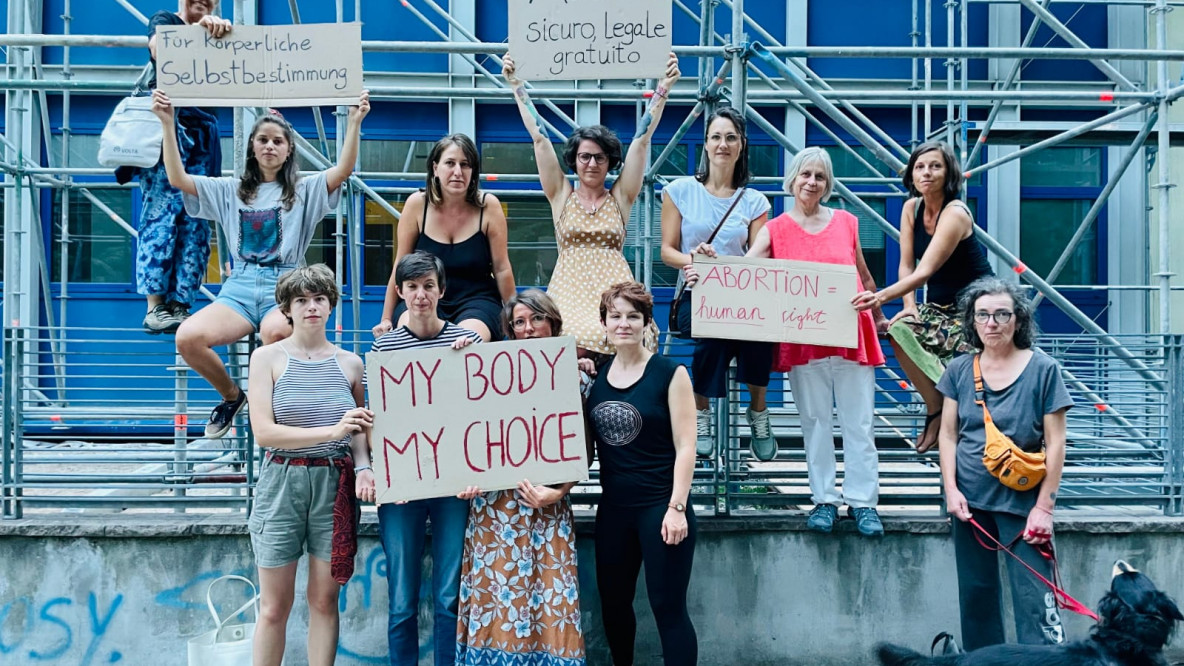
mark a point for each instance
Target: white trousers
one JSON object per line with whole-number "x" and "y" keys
{"x": 817, "y": 388}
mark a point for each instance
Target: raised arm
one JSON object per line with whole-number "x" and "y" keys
{"x": 498, "y": 233}
{"x": 169, "y": 150}
{"x": 338, "y": 173}
{"x": 554, "y": 183}
{"x": 628, "y": 185}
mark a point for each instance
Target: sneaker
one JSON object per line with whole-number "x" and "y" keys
{"x": 822, "y": 518}
{"x": 761, "y": 441}
{"x": 161, "y": 319}
{"x": 867, "y": 521}
{"x": 223, "y": 416}
{"x": 704, "y": 444}
{"x": 179, "y": 310}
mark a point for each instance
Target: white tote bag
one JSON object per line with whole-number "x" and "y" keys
{"x": 227, "y": 644}
{"x": 132, "y": 136}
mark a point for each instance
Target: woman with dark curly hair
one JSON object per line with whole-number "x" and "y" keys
{"x": 937, "y": 249}
{"x": 1022, "y": 392}
{"x": 466, "y": 228}
{"x": 590, "y": 219}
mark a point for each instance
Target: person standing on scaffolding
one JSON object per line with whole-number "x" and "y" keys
{"x": 268, "y": 216}
{"x": 173, "y": 247}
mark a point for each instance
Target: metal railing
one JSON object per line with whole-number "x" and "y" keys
{"x": 118, "y": 425}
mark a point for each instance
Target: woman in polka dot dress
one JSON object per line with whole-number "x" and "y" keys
{"x": 590, "y": 219}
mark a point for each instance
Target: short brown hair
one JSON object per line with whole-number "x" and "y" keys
{"x": 538, "y": 302}
{"x": 317, "y": 279}
{"x": 634, "y": 293}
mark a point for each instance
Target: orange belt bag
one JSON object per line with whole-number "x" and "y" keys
{"x": 1014, "y": 467}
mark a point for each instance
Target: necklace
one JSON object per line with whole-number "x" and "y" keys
{"x": 306, "y": 352}
{"x": 599, "y": 201}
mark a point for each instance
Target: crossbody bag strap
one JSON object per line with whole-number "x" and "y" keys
{"x": 980, "y": 396}
{"x": 739, "y": 196}
{"x": 141, "y": 82}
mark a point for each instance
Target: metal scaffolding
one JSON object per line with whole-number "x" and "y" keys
{"x": 746, "y": 68}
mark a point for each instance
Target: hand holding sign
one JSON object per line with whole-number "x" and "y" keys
{"x": 217, "y": 27}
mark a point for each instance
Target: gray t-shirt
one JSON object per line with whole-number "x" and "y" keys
{"x": 1018, "y": 411}
{"x": 263, "y": 232}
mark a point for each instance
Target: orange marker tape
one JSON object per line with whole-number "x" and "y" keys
{"x": 1101, "y": 407}
{"x": 1106, "y": 97}
{"x": 180, "y": 421}
{"x": 491, "y": 176}
{"x": 1019, "y": 268}
{"x": 56, "y": 417}
{"x": 904, "y": 385}
{"x": 647, "y": 94}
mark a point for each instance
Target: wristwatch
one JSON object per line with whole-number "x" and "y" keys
{"x": 677, "y": 506}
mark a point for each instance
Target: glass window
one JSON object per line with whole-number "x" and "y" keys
{"x": 99, "y": 249}
{"x": 84, "y": 150}
{"x": 3, "y": 201}
{"x": 847, "y": 165}
{"x": 379, "y": 249}
{"x": 764, "y": 160}
{"x": 1062, "y": 167}
{"x": 323, "y": 248}
{"x": 512, "y": 158}
{"x": 872, "y": 238}
{"x": 678, "y": 162}
{"x": 395, "y": 156}
{"x": 1046, "y": 225}
{"x": 533, "y": 251}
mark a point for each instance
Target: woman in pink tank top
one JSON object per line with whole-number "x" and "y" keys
{"x": 820, "y": 376}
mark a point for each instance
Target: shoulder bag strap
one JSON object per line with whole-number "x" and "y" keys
{"x": 254, "y": 601}
{"x": 980, "y": 397}
{"x": 141, "y": 82}
{"x": 739, "y": 196}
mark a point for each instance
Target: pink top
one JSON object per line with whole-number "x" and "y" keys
{"x": 835, "y": 244}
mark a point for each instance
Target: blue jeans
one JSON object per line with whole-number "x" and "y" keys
{"x": 401, "y": 528}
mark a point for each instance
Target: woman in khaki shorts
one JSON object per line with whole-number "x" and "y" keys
{"x": 306, "y": 408}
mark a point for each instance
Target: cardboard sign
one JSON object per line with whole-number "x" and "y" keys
{"x": 489, "y": 415}
{"x": 254, "y": 65}
{"x": 775, "y": 300}
{"x": 553, "y": 40}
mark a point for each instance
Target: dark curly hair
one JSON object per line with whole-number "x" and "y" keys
{"x": 953, "y": 185}
{"x": 1026, "y": 328}
{"x": 603, "y": 136}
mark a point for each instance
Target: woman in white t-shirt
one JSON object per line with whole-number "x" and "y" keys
{"x": 691, "y": 210}
{"x": 268, "y": 217}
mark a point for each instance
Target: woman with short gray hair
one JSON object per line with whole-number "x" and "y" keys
{"x": 1021, "y": 392}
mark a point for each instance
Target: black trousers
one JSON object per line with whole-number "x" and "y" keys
{"x": 1037, "y": 619}
{"x": 627, "y": 537}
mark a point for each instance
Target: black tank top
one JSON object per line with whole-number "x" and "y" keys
{"x": 967, "y": 263}
{"x": 468, "y": 266}
{"x": 634, "y": 437}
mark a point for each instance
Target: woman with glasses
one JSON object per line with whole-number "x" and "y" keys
{"x": 519, "y": 590}
{"x": 692, "y": 209}
{"x": 590, "y": 219}
{"x": 1022, "y": 391}
{"x": 466, "y": 228}
{"x": 937, "y": 249}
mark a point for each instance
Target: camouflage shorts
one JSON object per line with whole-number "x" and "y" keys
{"x": 932, "y": 338}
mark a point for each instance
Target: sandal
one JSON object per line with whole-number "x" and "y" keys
{"x": 924, "y": 445}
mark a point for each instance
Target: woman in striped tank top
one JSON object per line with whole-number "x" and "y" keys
{"x": 307, "y": 412}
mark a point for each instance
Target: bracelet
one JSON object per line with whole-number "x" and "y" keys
{"x": 1037, "y": 506}
{"x": 659, "y": 91}
{"x": 361, "y": 468}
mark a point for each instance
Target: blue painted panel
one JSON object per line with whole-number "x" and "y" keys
{"x": 102, "y": 18}
{"x": 1087, "y": 21}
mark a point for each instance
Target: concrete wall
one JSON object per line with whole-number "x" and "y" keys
{"x": 129, "y": 590}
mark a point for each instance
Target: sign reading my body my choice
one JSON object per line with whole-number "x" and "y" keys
{"x": 489, "y": 415}
{"x": 775, "y": 300}
{"x": 585, "y": 39}
{"x": 279, "y": 65}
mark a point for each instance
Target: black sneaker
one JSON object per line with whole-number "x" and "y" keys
{"x": 867, "y": 521}
{"x": 161, "y": 319}
{"x": 180, "y": 311}
{"x": 223, "y": 416}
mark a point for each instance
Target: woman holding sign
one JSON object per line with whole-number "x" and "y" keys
{"x": 715, "y": 214}
{"x": 269, "y": 216}
{"x": 938, "y": 249}
{"x": 533, "y": 614}
{"x": 590, "y": 219}
{"x": 308, "y": 415}
{"x": 821, "y": 376}
{"x": 641, "y": 410}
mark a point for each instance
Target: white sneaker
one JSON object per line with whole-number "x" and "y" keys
{"x": 761, "y": 441}
{"x": 704, "y": 443}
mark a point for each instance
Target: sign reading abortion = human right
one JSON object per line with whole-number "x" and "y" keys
{"x": 581, "y": 39}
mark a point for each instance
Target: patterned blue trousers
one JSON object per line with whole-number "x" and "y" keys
{"x": 174, "y": 248}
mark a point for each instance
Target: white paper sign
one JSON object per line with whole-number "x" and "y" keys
{"x": 489, "y": 415}
{"x": 313, "y": 64}
{"x": 590, "y": 39}
{"x": 775, "y": 300}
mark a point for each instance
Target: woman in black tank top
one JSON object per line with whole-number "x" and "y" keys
{"x": 938, "y": 248}
{"x": 466, "y": 229}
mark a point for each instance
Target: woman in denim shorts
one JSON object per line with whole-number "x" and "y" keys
{"x": 308, "y": 414}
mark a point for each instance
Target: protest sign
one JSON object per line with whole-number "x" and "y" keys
{"x": 775, "y": 300}
{"x": 554, "y": 40}
{"x": 313, "y": 64}
{"x": 487, "y": 416}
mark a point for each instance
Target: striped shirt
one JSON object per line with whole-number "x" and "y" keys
{"x": 402, "y": 338}
{"x": 312, "y": 394}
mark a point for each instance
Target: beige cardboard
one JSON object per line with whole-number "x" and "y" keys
{"x": 775, "y": 300}
{"x": 314, "y": 64}
{"x": 553, "y": 40}
{"x": 429, "y": 403}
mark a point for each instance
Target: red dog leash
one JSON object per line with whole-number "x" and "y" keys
{"x": 1064, "y": 601}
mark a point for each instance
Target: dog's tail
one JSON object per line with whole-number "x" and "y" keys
{"x": 895, "y": 655}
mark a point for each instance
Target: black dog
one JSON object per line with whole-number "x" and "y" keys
{"x": 1136, "y": 620}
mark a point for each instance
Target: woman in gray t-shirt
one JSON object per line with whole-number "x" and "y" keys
{"x": 1027, "y": 400}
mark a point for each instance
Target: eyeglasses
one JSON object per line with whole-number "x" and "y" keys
{"x": 1000, "y": 317}
{"x": 587, "y": 158}
{"x": 536, "y": 320}
{"x": 726, "y": 138}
